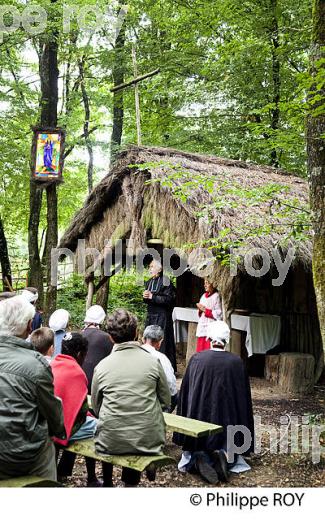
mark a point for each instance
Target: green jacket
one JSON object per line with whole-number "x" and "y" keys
{"x": 29, "y": 411}
{"x": 128, "y": 392}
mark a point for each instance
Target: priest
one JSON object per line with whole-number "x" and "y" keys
{"x": 216, "y": 389}
{"x": 160, "y": 296}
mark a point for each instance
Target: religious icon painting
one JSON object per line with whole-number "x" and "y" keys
{"x": 48, "y": 145}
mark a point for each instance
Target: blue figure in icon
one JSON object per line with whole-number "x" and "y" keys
{"x": 48, "y": 155}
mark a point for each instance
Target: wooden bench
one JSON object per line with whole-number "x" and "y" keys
{"x": 174, "y": 423}
{"x": 86, "y": 448}
{"x": 190, "y": 427}
{"x": 29, "y": 481}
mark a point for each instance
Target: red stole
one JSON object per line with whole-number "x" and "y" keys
{"x": 71, "y": 385}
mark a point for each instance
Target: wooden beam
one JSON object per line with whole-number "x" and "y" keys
{"x": 90, "y": 294}
{"x": 135, "y": 81}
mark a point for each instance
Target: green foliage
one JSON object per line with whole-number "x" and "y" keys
{"x": 125, "y": 292}
{"x": 72, "y": 297}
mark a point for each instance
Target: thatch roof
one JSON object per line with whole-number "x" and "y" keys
{"x": 124, "y": 199}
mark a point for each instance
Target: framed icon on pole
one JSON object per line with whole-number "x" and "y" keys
{"x": 48, "y": 154}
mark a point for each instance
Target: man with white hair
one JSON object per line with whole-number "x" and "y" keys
{"x": 99, "y": 343}
{"x": 29, "y": 411}
{"x": 216, "y": 389}
{"x": 160, "y": 296}
{"x": 153, "y": 337}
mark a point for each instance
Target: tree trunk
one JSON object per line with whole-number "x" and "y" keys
{"x": 49, "y": 75}
{"x": 296, "y": 373}
{"x": 51, "y": 242}
{"x": 4, "y": 260}
{"x": 272, "y": 368}
{"x": 85, "y": 98}
{"x": 316, "y": 159}
{"x": 118, "y": 97}
{"x": 275, "y": 112}
{"x": 35, "y": 273}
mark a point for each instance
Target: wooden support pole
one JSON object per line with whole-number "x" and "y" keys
{"x": 136, "y": 95}
{"x": 90, "y": 294}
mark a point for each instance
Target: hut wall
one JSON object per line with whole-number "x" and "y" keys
{"x": 294, "y": 301}
{"x": 189, "y": 290}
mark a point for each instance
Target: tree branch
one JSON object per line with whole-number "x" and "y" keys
{"x": 134, "y": 81}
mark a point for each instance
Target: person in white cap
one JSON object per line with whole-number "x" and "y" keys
{"x": 216, "y": 389}
{"x": 99, "y": 343}
{"x": 58, "y": 322}
{"x": 31, "y": 295}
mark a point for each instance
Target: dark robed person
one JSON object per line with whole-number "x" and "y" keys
{"x": 216, "y": 389}
{"x": 160, "y": 296}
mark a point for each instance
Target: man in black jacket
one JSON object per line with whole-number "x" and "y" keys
{"x": 160, "y": 296}
{"x": 29, "y": 411}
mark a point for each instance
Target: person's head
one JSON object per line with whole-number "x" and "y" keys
{"x": 218, "y": 333}
{"x": 153, "y": 335}
{"x": 75, "y": 345}
{"x": 16, "y": 315}
{"x": 122, "y": 326}
{"x": 59, "y": 320}
{"x": 43, "y": 341}
{"x": 95, "y": 315}
{"x": 30, "y": 294}
{"x": 155, "y": 268}
{"x": 208, "y": 286}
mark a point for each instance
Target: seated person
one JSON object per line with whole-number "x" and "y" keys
{"x": 31, "y": 295}
{"x": 215, "y": 389}
{"x": 129, "y": 390}
{"x": 29, "y": 412}
{"x": 58, "y": 322}
{"x": 99, "y": 344}
{"x": 153, "y": 337}
{"x": 71, "y": 385}
{"x": 43, "y": 341}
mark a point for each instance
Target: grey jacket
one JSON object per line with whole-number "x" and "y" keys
{"x": 29, "y": 411}
{"x": 128, "y": 391}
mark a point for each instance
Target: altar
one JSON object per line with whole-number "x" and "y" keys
{"x": 263, "y": 332}
{"x": 185, "y": 320}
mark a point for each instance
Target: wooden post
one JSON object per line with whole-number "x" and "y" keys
{"x": 191, "y": 341}
{"x": 90, "y": 294}
{"x": 236, "y": 341}
{"x": 102, "y": 295}
{"x": 136, "y": 95}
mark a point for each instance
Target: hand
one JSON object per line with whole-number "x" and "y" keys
{"x": 147, "y": 295}
{"x": 200, "y": 307}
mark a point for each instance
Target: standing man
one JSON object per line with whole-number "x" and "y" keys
{"x": 160, "y": 296}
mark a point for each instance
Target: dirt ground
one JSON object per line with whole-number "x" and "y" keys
{"x": 268, "y": 469}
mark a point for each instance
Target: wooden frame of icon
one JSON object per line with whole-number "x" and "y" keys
{"x": 48, "y": 154}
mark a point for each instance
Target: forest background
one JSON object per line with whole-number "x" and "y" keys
{"x": 233, "y": 81}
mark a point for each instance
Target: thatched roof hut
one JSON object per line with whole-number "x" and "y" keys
{"x": 242, "y": 204}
